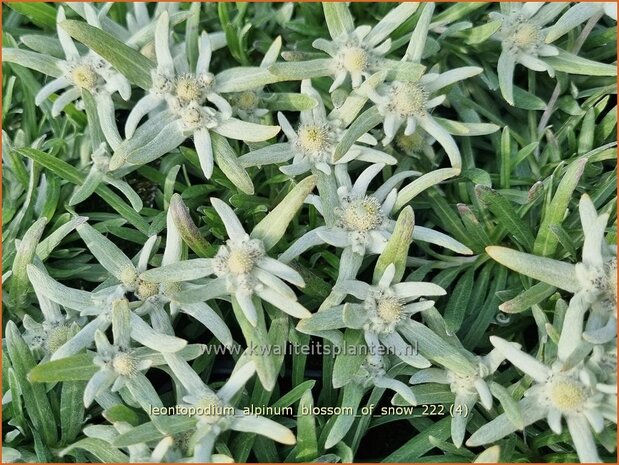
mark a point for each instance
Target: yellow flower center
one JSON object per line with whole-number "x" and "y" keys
{"x": 409, "y": 99}
{"x": 390, "y": 309}
{"x": 247, "y": 100}
{"x": 567, "y": 394}
{"x": 313, "y": 138}
{"x": 362, "y": 214}
{"x": 56, "y": 337}
{"x": 84, "y": 76}
{"x": 355, "y": 59}
{"x": 128, "y": 276}
{"x": 188, "y": 89}
{"x": 526, "y": 35}
{"x": 146, "y": 289}
{"x": 211, "y": 408}
{"x": 240, "y": 262}
{"x": 124, "y": 364}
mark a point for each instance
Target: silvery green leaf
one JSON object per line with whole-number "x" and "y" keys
{"x": 360, "y": 126}
{"x": 546, "y": 242}
{"x": 356, "y": 99}
{"x": 391, "y": 21}
{"x": 131, "y": 195}
{"x": 574, "y": 64}
{"x": 402, "y": 70}
{"x": 410, "y": 191}
{"x": 74, "y": 368}
{"x": 10, "y": 455}
{"x": 35, "y": 396}
{"x": 420, "y": 33}
{"x": 298, "y": 70}
{"x": 505, "y": 71}
{"x": 164, "y": 141}
{"x": 228, "y": 162}
{"x": 273, "y": 226}
{"x": 501, "y": 426}
{"x": 509, "y": 404}
{"x": 271, "y": 154}
{"x": 554, "y": 272}
{"x": 45, "y": 45}
{"x": 90, "y": 184}
{"x": 144, "y": 334}
{"x": 353, "y": 394}
{"x": 264, "y": 427}
{"x": 289, "y": 102}
{"x": 107, "y": 254}
{"x": 142, "y": 136}
{"x": 25, "y": 252}
{"x": 245, "y": 78}
{"x": 98, "y": 448}
{"x": 433, "y": 347}
{"x": 577, "y": 14}
{"x": 338, "y": 18}
{"x": 434, "y": 237}
{"x": 128, "y": 61}
{"x": 186, "y": 228}
{"x": 459, "y": 128}
{"x": 331, "y": 318}
{"x": 56, "y": 292}
{"x": 211, "y": 320}
{"x": 187, "y": 270}
{"x": 347, "y": 363}
{"x": 36, "y": 61}
{"x": 490, "y": 455}
{"x": 146, "y": 34}
{"x": 242, "y": 130}
{"x": 396, "y": 250}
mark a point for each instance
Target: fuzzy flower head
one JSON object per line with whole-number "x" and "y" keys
{"x": 358, "y": 52}
{"x": 89, "y": 73}
{"x": 215, "y": 411}
{"x": 313, "y": 144}
{"x": 469, "y": 389}
{"x": 560, "y": 391}
{"x": 409, "y": 104}
{"x": 523, "y": 40}
{"x": 244, "y": 271}
{"x": 118, "y": 363}
{"x": 185, "y": 93}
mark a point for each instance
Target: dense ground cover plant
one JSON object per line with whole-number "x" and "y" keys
{"x": 297, "y": 232}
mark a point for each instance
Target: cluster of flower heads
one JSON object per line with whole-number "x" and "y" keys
{"x": 182, "y": 98}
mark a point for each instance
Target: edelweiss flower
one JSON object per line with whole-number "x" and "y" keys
{"x": 175, "y": 88}
{"x": 371, "y": 373}
{"x": 186, "y": 96}
{"x": 244, "y": 270}
{"x": 409, "y": 102}
{"x": 384, "y": 309}
{"x": 469, "y": 389}
{"x": 53, "y": 332}
{"x": 362, "y": 219}
{"x": 313, "y": 144}
{"x": 99, "y": 173}
{"x": 560, "y": 391}
{"x": 523, "y": 39}
{"x": 124, "y": 283}
{"x": 593, "y": 281}
{"x": 91, "y": 73}
{"x": 118, "y": 364}
{"x": 215, "y": 411}
{"x": 360, "y": 52}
